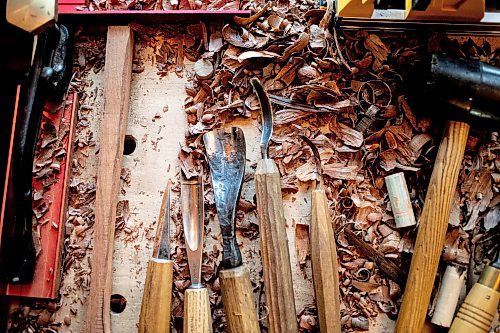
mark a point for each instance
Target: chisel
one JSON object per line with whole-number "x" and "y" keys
{"x": 275, "y": 254}
{"x": 156, "y": 300}
{"x": 324, "y": 255}
{"x": 480, "y": 306}
{"x": 197, "y": 317}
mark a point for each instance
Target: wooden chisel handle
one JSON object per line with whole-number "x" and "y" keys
{"x": 275, "y": 254}
{"x": 238, "y": 300}
{"x": 432, "y": 228}
{"x": 480, "y": 306}
{"x": 324, "y": 265}
{"x": 197, "y": 315}
{"x": 155, "y": 306}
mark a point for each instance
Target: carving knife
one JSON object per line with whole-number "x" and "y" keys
{"x": 157, "y": 297}
{"x": 197, "y": 316}
{"x": 275, "y": 254}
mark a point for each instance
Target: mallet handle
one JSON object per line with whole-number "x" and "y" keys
{"x": 432, "y": 228}
{"x": 324, "y": 264}
{"x": 275, "y": 254}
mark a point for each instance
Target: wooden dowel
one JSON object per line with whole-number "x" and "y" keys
{"x": 432, "y": 229}
{"x": 117, "y": 77}
{"x": 275, "y": 253}
{"x": 400, "y": 200}
{"x": 157, "y": 297}
{"x": 238, "y": 300}
{"x": 324, "y": 265}
{"x": 447, "y": 299}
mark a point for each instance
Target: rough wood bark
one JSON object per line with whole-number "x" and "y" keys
{"x": 432, "y": 228}
{"x": 118, "y": 72}
{"x": 238, "y": 300}
{"x": 324, "y": 265}
{"x": 197, "y": 314}
{"x": 275, "y": 254}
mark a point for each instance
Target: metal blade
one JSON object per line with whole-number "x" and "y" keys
{"x": 267, "y": 117}
{"x": 317, "y": 160}
{"x": 162, "y": 248}
{"x": 192, "y": 221}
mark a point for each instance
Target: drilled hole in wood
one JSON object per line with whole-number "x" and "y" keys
{"x": 129, "y": 145}
{"x": 118, "y": 303}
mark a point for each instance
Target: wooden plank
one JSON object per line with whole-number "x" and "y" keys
{"x": 117, "y": 78}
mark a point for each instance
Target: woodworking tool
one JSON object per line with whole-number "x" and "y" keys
{"x": 480, "y": 306}
{"x": 323, "y": 254}
{"x": 48, "y": 78}
{"x": 197, "y": 316}
{"x": 226, "y": 157}
{"x": 157, "y": 297}
{"x": 466, "y": 91}
{"x": 272, "y": 226}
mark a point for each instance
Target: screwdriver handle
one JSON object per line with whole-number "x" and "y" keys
{"x": 197, "y": 315}
{"x": 238, "y": 300}
{"x": 324, "y": 264}
{"x": 480, "y": 306}
{"x": 275, "y": 254}
{"x": 155, "y": 306}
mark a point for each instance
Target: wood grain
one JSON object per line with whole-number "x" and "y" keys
{"x": 238, "y": 300}
{"x": 432, "y": 229}
{"x": 386, "y": 265}
{"x": 117, "y": 77}
{"x": 275, "y": 254}
{"x": 477, "y": 311}
{"x": 197, "y": 314}
{"x": 157, "y": 297}
{"x": 324, "y": 265}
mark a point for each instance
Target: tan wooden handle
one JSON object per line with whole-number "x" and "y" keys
{"x": 238, "y": 300}
{"x": 477, "y": 311}
{"x": 324, "y": 265}
{"x": 197, "y": 315}
{"x": 275, "y": 253}
{"x": 432, "y": 228}
{"x": 155, "y": 307}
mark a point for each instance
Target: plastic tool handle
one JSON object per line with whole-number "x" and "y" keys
{"x": 275, "y": 254}
{"x": 480, "y": 306}
{"x": 324, "y": 265}
{"x": 432, "y": 228}
{"x": 197, "y": 315}
{"x": 157, "y": 297}
{"x": 238, "y": 300}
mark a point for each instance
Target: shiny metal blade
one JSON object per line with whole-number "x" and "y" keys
{"x": 192, "y": 221}
{"x": 317, "y": 160}
{"x": 267, "y": 117}
{"x": 162, "y": 247}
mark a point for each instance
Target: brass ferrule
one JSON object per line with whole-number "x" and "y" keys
{"x": 490, "y": 278}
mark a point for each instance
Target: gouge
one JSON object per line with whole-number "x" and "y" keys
{"x": 226, "y": 157}
{"x": 155, "y": 307}
{"x": 275, "y": 254}
{"x": 324, "y": 255}
{"x": 480, "y": 306}
{"x": 197, "y": 316}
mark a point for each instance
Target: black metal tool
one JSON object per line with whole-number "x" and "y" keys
{"x": 48, "y": 78}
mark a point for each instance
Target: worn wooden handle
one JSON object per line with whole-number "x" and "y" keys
{"x": 324, "y": 265}
{"x": 197, "y": 315}
{"x": 155, "y": 307}
{"x": 477, "y": 311}
{"x": 275, "y": 254}
{"x": 238, "y": 300}
{"x": 432, "y": 228}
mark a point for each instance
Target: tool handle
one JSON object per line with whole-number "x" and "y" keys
{"x": 324, "y": 265}
{"x": 155, "y": 307}
{"x": 477, "y": 311}
{"x": 238, "y": 300}
{"x": 275, "y": 254}
{"x": 432, "y": 228}
{"x": 197, "y": 315}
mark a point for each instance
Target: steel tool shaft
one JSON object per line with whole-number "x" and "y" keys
{"x": 275, "y": 254}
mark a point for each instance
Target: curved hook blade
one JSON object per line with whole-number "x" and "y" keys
{"x": 317, "y": 160}
{"x": 267, "y": 117}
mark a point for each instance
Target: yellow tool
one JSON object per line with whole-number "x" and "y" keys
{"x": 480, "y": 306}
